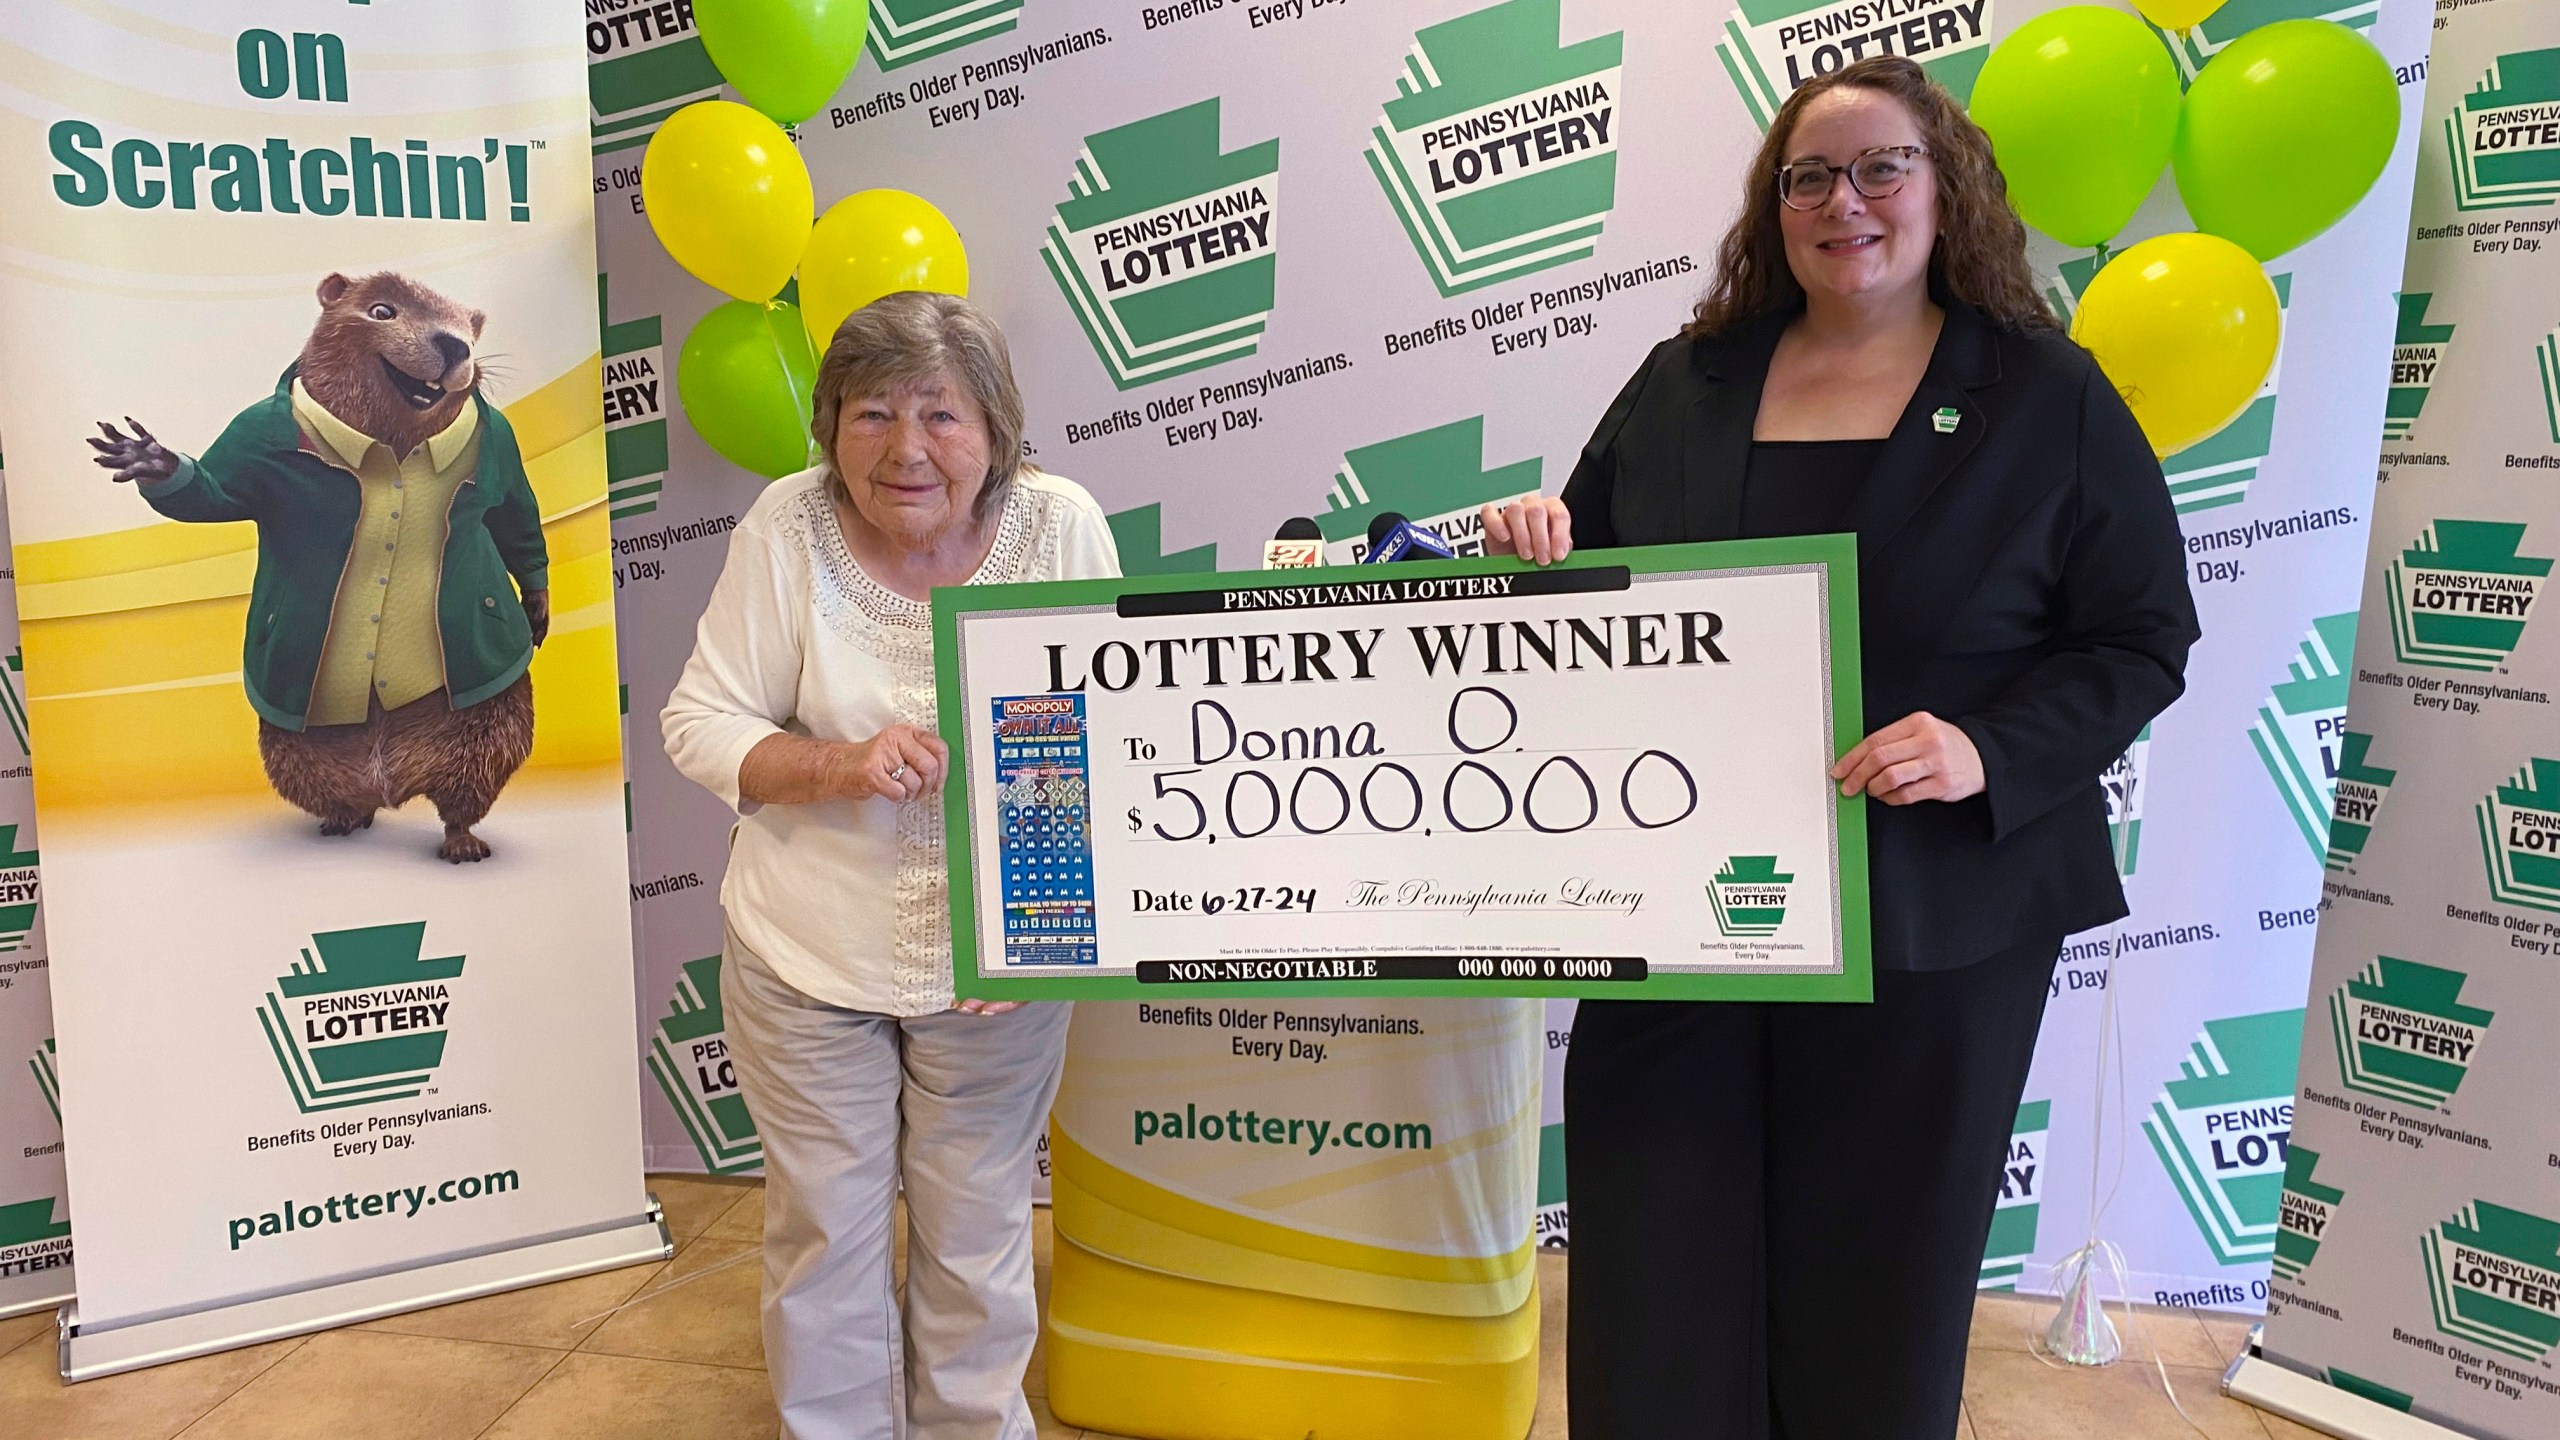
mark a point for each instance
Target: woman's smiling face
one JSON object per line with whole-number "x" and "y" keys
{"x": 1850, "y": 247}
{"x": 913, "y": 460}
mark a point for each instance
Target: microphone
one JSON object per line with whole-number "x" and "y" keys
{"x": 1392, "y": 538}
{"x": 1299, "y": 545}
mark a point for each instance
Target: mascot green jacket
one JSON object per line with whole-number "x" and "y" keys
{"x": 307, "y": 509}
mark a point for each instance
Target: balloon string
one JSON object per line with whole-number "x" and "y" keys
{"x": 800, "y": 399}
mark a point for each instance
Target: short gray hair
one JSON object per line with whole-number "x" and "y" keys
{"x": 914, "y": 336}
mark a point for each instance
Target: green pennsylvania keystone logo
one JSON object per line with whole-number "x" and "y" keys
{"x": 2417, "y": 352}
{"x": 20, "y": 888}
{"x": 1500, "y": 150}
{"x": 2404, "y": 1034}
{"x": 905, "y": 31}
{"x": 364, "y": 1021}
{"x": 2361, "y": 788}
{"x": 1771, "y": 47}
{"x": 2301, "y": 725}
{"x": 2460, "y": 594}
{"x": 2123, "y": 784}
{"x": 48, "y": 1078}
{"x": 2222, "y": 1127}
{"x": 1164, "y": 245}
{"x": 2520, "y": 836}
{"x": 1138, "y": 534}
{"x": 1434, "y": 477}
{"x": 689, "y": 1055}
{"x": 2238, "y": 17}
{"x": 2503, "y": 140}
{"x": 31, "y": 1239}
{"x": 2013, "y": 1222}
{"x": 2493, "y": 1278}
{"x": 2214, "y": 471}
{"x": 1750, "y": 896}
{"x": 2302, "y": 1222}
{"x": 645, "y": 62}
{"x": 636, "y": 383}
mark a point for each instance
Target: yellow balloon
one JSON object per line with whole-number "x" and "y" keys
{"x": 729, "y": 197}
{"x": 876, "y": 243}
{"x": 2179, "y": 16}
{"x": 2185, "y": 326}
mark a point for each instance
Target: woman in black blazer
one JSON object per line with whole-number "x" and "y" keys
{"x": 1779, "y": 1211}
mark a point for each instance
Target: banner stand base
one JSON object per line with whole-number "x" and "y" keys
{"x": 13, "y": 1310}
{"x": 2255, "y": 1380}
{"x": 88, "y": 1355}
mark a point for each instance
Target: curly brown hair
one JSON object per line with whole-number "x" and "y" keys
{"x": 1981, "y": 254}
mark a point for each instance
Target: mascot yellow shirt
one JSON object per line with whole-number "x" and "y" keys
{"x": 383, "y": 643}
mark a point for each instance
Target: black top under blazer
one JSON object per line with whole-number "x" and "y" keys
{"x": 2021, "y": 577}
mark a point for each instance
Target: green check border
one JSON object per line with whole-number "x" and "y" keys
{"x": 1837, "y": 554}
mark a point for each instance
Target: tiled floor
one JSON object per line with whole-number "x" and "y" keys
{"x": 670, "y": 1352}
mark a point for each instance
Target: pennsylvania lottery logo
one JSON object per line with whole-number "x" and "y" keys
{"x": 2357, "y": 800}
{"x": 20, "y": 890}
{"x": 2222, "y": 1127}
{"x": 2238, "y": 17}
{"x": 1771, "y": 47}
{"x": 2302, "y": 725}
{"x": 645, "y": 62}
{"x": 1433, "y": 477}
{"x": 2503, "y": 140}
{"x": 1164, "y": 245}
{"x": 1750, "y": 897}
{"x": 2520, "y": 837}
{"x": 31, "y": 1239}
{"x": 48, "y": 1078}
{"x": 635, "y": 413}
{"x": 2216, "y": 470}
{"x": 689, "y": 1055}
{"x": 2460, "y": 594}
{"x": 2123, "y": 784}
{"x": 2417, "y": 352}
{"x": 2303, "y": 1222}
{"x": 905, "y": 31}
{"x": 2013, "y": 1222}
{"x": 2403, "y": 1032}
{"x": 1500, "y": 150}
{"x": 2493, "y": 1278}
{"x": 364, "y": 1021}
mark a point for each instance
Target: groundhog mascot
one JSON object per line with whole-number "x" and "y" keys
{"x": 387, "y": 647}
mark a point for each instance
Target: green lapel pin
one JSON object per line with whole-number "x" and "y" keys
{"x": 1946, "y": 419}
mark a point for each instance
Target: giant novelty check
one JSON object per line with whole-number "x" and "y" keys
{"x": 1606, "y": 777}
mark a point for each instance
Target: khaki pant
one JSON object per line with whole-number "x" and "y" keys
{"x": 851, "y": 1104}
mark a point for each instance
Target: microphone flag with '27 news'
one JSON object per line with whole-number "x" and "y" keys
{"x": 1298, "y": 545}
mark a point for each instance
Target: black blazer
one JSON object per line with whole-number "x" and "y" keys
{"x": 2021, "y": 577}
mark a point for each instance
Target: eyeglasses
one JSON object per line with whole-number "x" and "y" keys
{"x": 1875, "y": 174}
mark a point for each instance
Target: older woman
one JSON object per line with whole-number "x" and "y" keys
{"x": 1779, "y": 1210}
{"x": 809, "y": 707}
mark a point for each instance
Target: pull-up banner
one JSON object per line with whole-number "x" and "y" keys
{"x": 300, "y": 379}
{"x": 2417, "y": 1233}
{"x": 35, "y": 1233}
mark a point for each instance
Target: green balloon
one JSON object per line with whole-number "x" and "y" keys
{"x": 2081, "y": 105}
{"x": 2284, "y": 132}
{"x": 744, "y": 376}
{"x": 786, "y": 58}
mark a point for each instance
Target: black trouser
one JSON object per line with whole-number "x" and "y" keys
{"x": 1779, "y": 1210}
